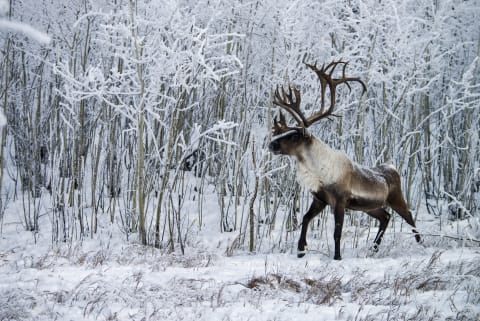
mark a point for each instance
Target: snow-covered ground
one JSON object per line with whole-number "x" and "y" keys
{"x": 428, "y": 55}
{"x": 108, "y": 278}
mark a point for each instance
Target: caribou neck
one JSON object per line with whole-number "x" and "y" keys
{"x": 320, "y": 165}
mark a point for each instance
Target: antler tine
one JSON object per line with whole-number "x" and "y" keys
{"x": 346, "y": 79}
{"x": 323, "y": 82}
{"x": 332, "y": 65}
{"x": 344, "y": 76}
{"x": 286, "y": 101}
{"x": 279, "y": 123}
{"x": 325, "y": 75}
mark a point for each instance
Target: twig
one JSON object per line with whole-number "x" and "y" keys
{"x": 454, "y": 237}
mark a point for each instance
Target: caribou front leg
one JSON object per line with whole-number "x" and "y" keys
{"x": 339, "y": 214}
{"x": 316, "y": 207}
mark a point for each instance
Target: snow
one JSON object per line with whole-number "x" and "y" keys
{"x": 3, "y": 119}
{"x": 212, "y": 65}
{"x": 4, "y": 6}
{"x": 25, "y": 29}
{"x": 107, "y": 278}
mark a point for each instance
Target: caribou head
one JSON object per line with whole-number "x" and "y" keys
{"x": 332, "y": 178}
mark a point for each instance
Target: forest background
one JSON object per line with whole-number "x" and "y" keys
{"x": 107, "y": 118}
{"x": 136, "y": 183}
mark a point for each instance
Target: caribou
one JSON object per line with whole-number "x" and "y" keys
{"x": 332, "y": 178}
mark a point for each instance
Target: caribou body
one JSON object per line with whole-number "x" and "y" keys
{"x": 332, "y": 178}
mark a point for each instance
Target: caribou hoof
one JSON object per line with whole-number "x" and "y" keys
{"x": 337, "y": 257}
{"x": 301, "y": 254}
{"x": 374, "y": 248}
{"x": 417, "y": 236}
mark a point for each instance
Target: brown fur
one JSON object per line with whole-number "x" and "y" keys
{"x": 347, "y": 186}
{"x": 332, "y": 178}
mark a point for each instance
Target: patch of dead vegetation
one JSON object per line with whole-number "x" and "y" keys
{"x": 318, "y": 291}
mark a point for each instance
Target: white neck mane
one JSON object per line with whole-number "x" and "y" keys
{"x": 320, "y": 165}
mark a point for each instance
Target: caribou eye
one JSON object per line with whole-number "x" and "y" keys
{"x": 296, "y": 137}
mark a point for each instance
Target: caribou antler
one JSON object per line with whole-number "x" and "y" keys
{"x": 325, "y": 75}
{"x": 290, "y": 100}
{"x": 286, "y": 101}
{"x": 279, "y": 125}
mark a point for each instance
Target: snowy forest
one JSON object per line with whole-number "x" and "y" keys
{"x": 136, "y": 181}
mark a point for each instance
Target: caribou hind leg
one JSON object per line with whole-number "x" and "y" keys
{"x": 383, "y": 217}
{"x": 399, "y": 205}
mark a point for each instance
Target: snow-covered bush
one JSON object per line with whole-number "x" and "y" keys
{"x": 103, "y": 118}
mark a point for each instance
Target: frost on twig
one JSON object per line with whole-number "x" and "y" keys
{"x": 20, "y": 27}
{"x": 27, "y": 30}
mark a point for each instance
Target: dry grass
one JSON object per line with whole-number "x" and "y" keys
{"x": 401, "y": 293}
{"x": 317, "y": 291}
{"x": 16, "y": 304}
